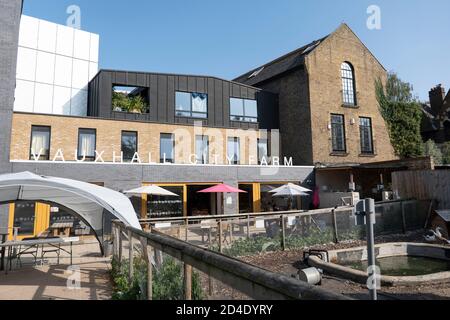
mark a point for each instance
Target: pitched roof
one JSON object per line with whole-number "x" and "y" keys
{"x": 280, "y": 65}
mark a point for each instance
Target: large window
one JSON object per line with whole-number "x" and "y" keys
{"x": 86, "y": 144}
{"x": 233, "y": 151}
{"x": 338, "y": 133}
{"x": 194, "y": 105}
{"x": 202, "y": 149}
{"x": 243, "y": 110}
{"x": 40, "y": 143}
{"x": 263, "y": 151}
{"x": 167, "y": 148}
{"x": 348, "y": 84}
{"x": 365, "y": 129}
{"x": 129, "y": 144}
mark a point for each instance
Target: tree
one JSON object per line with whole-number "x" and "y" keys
{"x": 432, "y": 150}
{"x": 445, "y": 149}
{"x": 397, "y": 90}
{"x": 402, "y": 114}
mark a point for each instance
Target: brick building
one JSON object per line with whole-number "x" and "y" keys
{"x": 62, "y": 118}
{"x": 327, "y": 101}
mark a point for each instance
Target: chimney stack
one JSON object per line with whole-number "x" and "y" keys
{"x": 437, "y": 96}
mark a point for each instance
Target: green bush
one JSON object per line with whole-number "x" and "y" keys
{"x": 168, "y": 281}
{"x": 121, "y": 101}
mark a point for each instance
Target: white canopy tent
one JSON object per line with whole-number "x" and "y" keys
{"x": 87, "y": 201}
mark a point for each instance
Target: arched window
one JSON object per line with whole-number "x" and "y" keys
{"x": 348, "y": 84}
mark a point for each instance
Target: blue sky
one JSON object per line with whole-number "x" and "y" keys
{"x": 229, "y": 37}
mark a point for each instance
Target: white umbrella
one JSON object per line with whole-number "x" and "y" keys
{"x": 151, "y": 190}
{"x": 289, "y": 192}
{"x": 290, "y": 187}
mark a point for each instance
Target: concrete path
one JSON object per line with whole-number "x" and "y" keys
{"x": 87, "y": 279}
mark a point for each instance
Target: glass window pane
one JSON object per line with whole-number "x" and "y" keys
{"x": 129, "y": 145}
{"x": 202, "y": 149}
{"x": 338, "y": 133}
{"x": 251, "y": 108}
{"x": 86, "y": 143}
{"x": 167, "y": 148}
{"x": 233, "y": 151}
{"x": 199, "y": 115}
{"x": 263, "y": 151}
{"x": 200, "y": 102}
{"x": 365, "y": 125}
{"x": 24, "y": 215}
{"x": 236, "y": 107}
{"x": 40, "y": 143}
{"x": 183, "y": 101}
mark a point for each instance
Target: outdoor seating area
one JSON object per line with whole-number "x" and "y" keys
{"x": 38, "y": 249}
{"x": 85, "y": 270}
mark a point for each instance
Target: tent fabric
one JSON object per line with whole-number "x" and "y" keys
{"x": 152, "y": 190}
{"x": 86, "y": 200}
{"x": 222, "y": 188}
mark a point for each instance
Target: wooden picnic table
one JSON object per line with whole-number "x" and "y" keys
{"x": 59, "y": 228}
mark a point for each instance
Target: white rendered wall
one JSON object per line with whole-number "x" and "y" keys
{"x": 54, "y": 66}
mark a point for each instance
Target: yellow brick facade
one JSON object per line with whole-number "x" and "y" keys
{"x": 325, "y": 89}
{"x": 64, "y": 136}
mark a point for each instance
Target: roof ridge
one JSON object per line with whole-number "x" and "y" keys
{"x": 302, "y": 48}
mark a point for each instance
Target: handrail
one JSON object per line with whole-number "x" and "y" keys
{"x": 247, "y": 215}
{"x": 248, "y": 279}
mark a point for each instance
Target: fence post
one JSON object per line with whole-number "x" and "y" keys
{"x": 248, "y": 226}
{"x": 130, "y": 255}
{"x": 334, "y": 223}
{"x": 403, "y": 217}
{"x": 220, "y": 236}
{"x": 187, "y": 281}
{"x": 283, "y": 233}
{"x": 148, "y": 260}
{"x": 186, "y": 225}
{"x": 119, "y": 231}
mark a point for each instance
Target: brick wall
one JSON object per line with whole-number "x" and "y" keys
{"x": 325, "y": 87}
{"x": 64, "y": 136}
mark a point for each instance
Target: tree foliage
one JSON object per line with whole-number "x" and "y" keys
{"x": 402, "y": 114}
{"x": 432, "y": 150}
{"x": 123, "y": 102}
{"x": 398, "y": 90}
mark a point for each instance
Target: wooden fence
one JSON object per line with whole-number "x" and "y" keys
{"x": 255, "y": 282}
{"x": 423, "y": 185}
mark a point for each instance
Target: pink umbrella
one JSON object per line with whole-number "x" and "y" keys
{"x": 222, "y": 188}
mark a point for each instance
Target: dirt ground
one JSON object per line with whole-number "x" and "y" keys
{"x": 289, "y": 262}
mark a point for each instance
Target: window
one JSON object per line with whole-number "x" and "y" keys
{"x": 202, "y": 149}
{"x": 348, "y": 84}
{"x": 243, "y": 110}
{"x": 194, "y": 105}
{"x": 338, "y": 133}
{"x": 263, "y": 151}
{"x": 40, "y": 143}
{"x": 86, "y": 144}
{"x": 365, "y": 129}
{"x": 129, "y": 144}
{"x": 233, "y": 151}
{"x": 167, "y": 148}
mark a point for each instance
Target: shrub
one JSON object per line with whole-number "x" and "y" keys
{"x": 168, "y": 281}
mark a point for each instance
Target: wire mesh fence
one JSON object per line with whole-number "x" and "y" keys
{"x": 200, "y": 266}
{"x": 158, "y": 267}
{"x": 240, "y": 235}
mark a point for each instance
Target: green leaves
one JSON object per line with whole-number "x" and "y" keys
{"x": 123, "y": 102}
{"x": 168, "y": 281}
{"x": 403, "y": 116}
